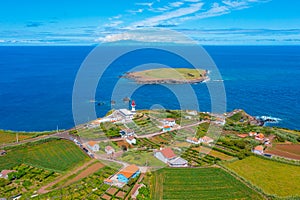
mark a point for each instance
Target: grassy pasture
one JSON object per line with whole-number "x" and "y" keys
{"x": 175, "y": 73}
{"x": 57, "y": 155}
{"x": 11, "y": 136}
{"x": 198, "y": 183}
{"x": 271, "y": 176}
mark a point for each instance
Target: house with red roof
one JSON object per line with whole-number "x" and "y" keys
{"x": 109, "y": 150}
{"x": 167, "y": 156}
{"x": 4, "y": 173}
{"x": 131, "y": 140}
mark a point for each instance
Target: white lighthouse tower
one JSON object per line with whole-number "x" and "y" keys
{"x": 133, "y": 106}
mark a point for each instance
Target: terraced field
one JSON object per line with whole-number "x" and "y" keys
{"x": 56, "y": 155}
{"x": 199, "y": 183}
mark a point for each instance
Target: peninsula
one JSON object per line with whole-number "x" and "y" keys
{"x": 168, "y": 75}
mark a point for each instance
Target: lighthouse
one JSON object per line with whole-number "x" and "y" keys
{"x": 133, "y": 106}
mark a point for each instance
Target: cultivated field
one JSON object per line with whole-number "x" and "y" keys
{"x": 57, "y": 155}
{"x": 11, "y": 136}
{"x": 271, "y": 176}
{"x": 291, "y": 151}
{"x": 198, "y": 183}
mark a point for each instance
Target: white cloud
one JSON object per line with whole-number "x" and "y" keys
{"x": 147, "y": 36}
{"x": 2, "y": 41}
{"x": 152, "y": 21}
{"x": 114, "y": 23}
{"x": 140, "y": 10}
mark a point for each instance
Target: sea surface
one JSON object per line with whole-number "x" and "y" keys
{"x": 36, "y": 84}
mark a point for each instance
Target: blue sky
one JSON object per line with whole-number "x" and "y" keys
{"x": 77, "y": 22}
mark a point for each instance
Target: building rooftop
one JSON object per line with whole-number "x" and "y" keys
{"x": 129, "y": 171}
{"x": 168, "y": 153}
{"x": 126, "y": 112}
{"x": 92, "y": 143}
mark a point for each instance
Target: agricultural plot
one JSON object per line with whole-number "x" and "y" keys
{"x": 214, "y": 153}
{"x": 141, "y": 158}
{"x": 272, "y": 177}
{"x": 198, "y": 183}
{"x": 92, "y": 133}
{"x": 91, "y": 187}
{"x": 10, "y": 136}
{"x": 196, "y": 158}
{"x": 56, "y": 155}
{"x": 291, "y": 151}
{"x": 27, "y": 180}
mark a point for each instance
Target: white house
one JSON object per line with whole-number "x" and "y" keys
{"x": 178, "y": 162}
{"x": 131, "y": 140}
{"x": 126, "y": 114}
{"x": 258, "y": 150}
{"x": 94, "y": 146}
{"x": 252, "y": 133}
{"x": 169, "y": 122}
{"x": 206, "y": 139}
{"x": 109, "y": 150}
{"x": 169, "y": 157}
{"x": 127, "y": 133}
{"x": 165, "y": 155}
{"x": 193, "y": 140}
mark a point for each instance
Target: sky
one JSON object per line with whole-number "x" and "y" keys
{"x": 90, "y": 22}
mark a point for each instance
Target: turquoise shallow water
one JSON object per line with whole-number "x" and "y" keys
{"x": 36, "y": 84}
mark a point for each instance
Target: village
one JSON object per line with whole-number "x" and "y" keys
{"x": 131, "y": 147}
{"x": 134, "y": 139}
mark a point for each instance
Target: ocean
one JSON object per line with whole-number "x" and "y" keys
{"x": 36, "y": 84}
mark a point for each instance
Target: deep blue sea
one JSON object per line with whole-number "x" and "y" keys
{"x": 36, "y": 84}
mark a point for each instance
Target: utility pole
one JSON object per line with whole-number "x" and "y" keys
{"x": 17, "y": 137}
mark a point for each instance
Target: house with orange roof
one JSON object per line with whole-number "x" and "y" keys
{"x": 206, "y": 139}
{"x": 242, "y": 135}
{"x": 169, "y": 122}
{"x": 258, "y": 150}
{"x": 260, "y": 137}
{"x": 93, "y": 146}
{"x": 128, "y": 173}
{"x": 166, "y": 128}
{"x": 193, "y": 140}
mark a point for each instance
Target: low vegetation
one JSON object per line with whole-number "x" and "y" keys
{"x": 11, "y": 136}
{"x": 198, "y": 183}
{"x": 272, "y": 177}
{"x": 52, "y": 154}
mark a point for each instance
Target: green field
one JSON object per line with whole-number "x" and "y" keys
{"x": 174, "y": 73}
{"x": 271, "y": 176}
{"x": 142, "y": 158}
{"x": 57, "y": 155}
{"x": 198, "y": 183}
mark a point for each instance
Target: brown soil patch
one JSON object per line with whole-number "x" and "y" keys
{"x": 88, "y": 171}
{"x": 291, "y": 151}
{"x": 112, "y": 191}
{"x": 44, "y": 190}
{"x": 105, "y": 196}
{"x": 121, "y": 194}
